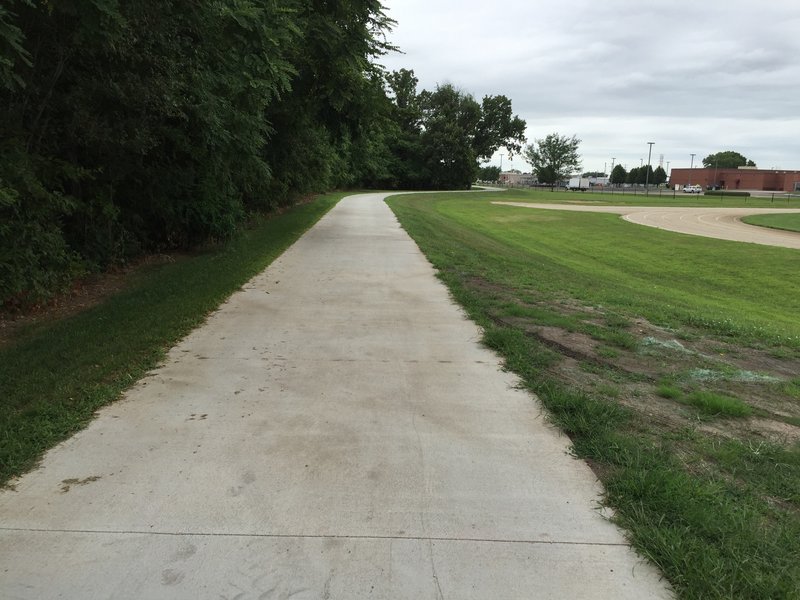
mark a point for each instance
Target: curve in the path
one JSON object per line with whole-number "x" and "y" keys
{"x": 720, "y": 223}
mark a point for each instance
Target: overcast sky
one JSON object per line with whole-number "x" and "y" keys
{"x": 700, "y": 76}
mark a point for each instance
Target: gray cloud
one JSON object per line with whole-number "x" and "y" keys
{"x": 691, "y": 76}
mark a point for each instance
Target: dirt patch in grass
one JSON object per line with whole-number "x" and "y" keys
{"x": 633, "y": 373}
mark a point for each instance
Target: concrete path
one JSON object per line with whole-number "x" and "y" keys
{"x": 334, "y": 431}
{"x": 719, "y": 223}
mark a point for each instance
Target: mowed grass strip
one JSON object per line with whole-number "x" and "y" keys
{"x": 787, "y": 222}
{"x": 719, "y": 518}
{"x": 53, "y": 377}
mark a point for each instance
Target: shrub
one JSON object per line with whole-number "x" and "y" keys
{"x": 726, "y": 193}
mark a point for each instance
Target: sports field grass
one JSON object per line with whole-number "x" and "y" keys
{"x": 662, "y": 198}
{"x": 788, "y": 222}
{"x": 671, "y": 360}
{"x": 53, "y": 376}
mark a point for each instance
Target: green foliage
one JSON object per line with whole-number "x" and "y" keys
{"x": 150, "y": 125}
{"x": 498, "y": 127}
{"x": 666, "y": 390}
{"x": 640, "y": 175}
{"x": 618, "y": 175}
{"x": 727, "y": 193}
{"x": 554, "y": 158}
{"x": 488, "y": 173}
{"x": 438, "y": 137}
{"x": 53, "y": 377}
{"x": 718, "y": 404}
{"x": 12, "y": 51}
{"x": 727, "y": 159}
{"x": 659, "y": 176}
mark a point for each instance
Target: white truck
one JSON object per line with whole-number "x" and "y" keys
{"x": 578, "y": 184}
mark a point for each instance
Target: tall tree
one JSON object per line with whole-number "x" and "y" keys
{"x": 618, "y": 175}
{"x": 554, "y": 158}
{"x": 439, "y": 136}
{"x": 727, "y": 159}
{"x": 451, "y": 119}
{"x": 498, "y": 126}
{"x": 490, "y": 173}
{"x": 645, "y": 175}
{"x": 659, "y": 176}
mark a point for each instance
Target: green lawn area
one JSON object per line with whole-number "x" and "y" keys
{"x": 54, "y": 376}
{"x": 670, "y": 360}
{"x": 672, "y": 279}
{"x": 656, "y": 197}
{"x": 789, "y": 222}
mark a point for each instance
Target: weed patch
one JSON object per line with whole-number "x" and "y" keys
{"x": 718, "y": 404}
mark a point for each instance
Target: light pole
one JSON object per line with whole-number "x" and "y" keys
{"x": 613, "y": 158}
{"x": 647, "y": 173}
{"x": 715, "y": 176}
{"x": 641, "y": 162}
{"x": 501, "y": 162}
{"x": 691, "y": 166}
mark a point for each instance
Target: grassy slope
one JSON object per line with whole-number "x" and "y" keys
{"x": 54, "y": 376}
{"x": 717, "y": 514}
{"x": 789, "y": 222}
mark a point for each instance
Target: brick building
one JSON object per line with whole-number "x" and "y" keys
{"x": 743, "y": 178}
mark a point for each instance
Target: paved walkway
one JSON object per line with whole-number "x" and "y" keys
{"x": 720, "y": 223}
{"x": 334, "y": 431}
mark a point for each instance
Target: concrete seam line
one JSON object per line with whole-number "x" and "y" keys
{"x": 303, "y": 536}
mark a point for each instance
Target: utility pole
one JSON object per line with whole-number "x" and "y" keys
{"x": 613, "y": 158}
{"x": 691, "y": 166}
{"x": 501, "y": 162}
{"x": 647, "y": 173}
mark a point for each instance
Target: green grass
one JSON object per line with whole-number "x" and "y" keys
{"x": 712, "y": 403}
{"x": 666, "y": 390}
{"x": 54, "y": 376}
{"x": 719, "y": 518}
{"x": 738, "y": 290}
{"x": 665, "y": 198}
{"x": 788, "y": 222}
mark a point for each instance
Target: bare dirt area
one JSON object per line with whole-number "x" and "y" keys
{"x": 719, "y": 223}
{"x": 652, "y": 358}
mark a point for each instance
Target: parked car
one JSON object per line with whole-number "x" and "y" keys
{"x": 692, "y": 189}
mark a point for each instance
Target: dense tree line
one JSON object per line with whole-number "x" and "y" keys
{"x": 639, "y": 175}
{"x": 138, "y": 126}
{"x": 437, "y": 138}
